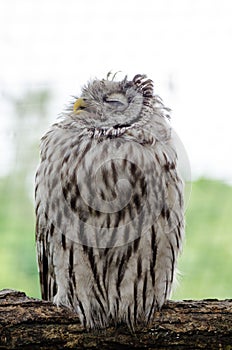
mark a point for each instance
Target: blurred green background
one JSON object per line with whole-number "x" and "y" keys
{"x": 205, "y": 264}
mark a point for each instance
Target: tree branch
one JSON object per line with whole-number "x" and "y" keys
{"x": 27, "y": 323}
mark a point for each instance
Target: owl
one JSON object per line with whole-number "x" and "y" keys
{"x": 109, "y": 205}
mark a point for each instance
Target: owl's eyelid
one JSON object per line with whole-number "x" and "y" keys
{"x": 112, "y": 100}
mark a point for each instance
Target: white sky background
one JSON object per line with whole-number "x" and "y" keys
{"x": 185, "y": 46}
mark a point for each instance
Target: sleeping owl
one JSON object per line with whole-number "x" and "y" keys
{"x": 109, "y": 205}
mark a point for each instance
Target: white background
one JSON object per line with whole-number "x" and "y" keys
{"x": 183, "y": 45}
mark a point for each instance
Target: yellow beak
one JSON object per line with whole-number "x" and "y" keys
{"x": 78, "y": 104}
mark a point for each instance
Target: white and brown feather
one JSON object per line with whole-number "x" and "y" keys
{"x": 109, "y": 206}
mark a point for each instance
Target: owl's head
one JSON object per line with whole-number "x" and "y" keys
{"x": 110, "y": 103}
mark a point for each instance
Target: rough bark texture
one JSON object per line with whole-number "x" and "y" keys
{"x": 27, "y": 323}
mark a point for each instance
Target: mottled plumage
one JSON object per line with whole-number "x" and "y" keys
{"x": 109, "y": 205}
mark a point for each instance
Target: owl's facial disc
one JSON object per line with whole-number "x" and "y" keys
{"x": 105, "y": 103}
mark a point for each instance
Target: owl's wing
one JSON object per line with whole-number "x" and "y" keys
{"x": 44, "y": 236}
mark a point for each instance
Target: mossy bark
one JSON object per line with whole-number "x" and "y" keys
{"x": 27, "y": 323}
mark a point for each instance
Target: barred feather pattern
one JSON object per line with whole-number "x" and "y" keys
{"x": 109, "y": 206}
